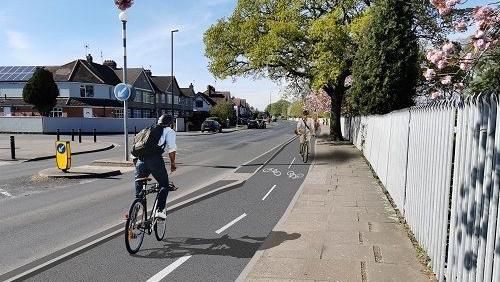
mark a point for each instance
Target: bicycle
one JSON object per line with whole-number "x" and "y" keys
{"x": 138, "y": 223}
{"x": 304, "y": 149}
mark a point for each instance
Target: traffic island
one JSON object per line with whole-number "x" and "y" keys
{"x": 113, "y": 162}
{"x": 78, "y": 172}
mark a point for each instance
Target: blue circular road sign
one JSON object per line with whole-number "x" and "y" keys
{"x": 61, "y": 148}
{"x": 123, "y": 91}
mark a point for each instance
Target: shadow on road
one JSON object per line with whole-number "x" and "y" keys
{"x": 243, "y": 247}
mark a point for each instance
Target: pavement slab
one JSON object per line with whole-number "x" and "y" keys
{"x": 44, "y": 147}
{"x": 349, "y": 230}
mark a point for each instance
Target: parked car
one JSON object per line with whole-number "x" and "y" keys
{"x": 252, "y": 123}
{"x": 211, "y": 125}
{"x": 222, "y": 123}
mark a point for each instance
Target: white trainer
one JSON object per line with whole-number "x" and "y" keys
{"x": 161, "y": 214}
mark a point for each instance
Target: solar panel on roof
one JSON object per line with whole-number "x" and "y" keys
{"x": 16, "y": 73}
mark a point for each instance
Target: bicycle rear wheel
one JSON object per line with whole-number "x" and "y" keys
{"x": 159, "y": 225}
{"x": 134, "y": 228}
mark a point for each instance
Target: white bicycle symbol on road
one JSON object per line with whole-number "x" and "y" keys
{"x": 275, "y": 171}
{"x": 291, "y": 174}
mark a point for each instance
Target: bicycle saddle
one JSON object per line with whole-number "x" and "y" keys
{"x": 147, "y": 179}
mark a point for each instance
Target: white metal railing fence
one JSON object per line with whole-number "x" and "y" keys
{"x": 441, "y": 166}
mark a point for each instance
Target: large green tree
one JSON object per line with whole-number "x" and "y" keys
{"x": 41, "y": 91}
{"x": 296, "y": 109}
{"x": 223, "y": 110}
{"x": 385, "y": 69}
{"x": 292, "y": 40}
{"x": 278, "y": 108}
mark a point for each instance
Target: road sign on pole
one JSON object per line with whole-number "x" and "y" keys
{"x": 123, "y": 91}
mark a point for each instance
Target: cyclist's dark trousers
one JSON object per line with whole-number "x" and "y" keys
{"x": 154, "y": 165}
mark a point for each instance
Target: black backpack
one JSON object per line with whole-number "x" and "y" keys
{"x": 146, "y": 142}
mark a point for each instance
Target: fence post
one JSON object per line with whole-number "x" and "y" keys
{"x": 79, "y": 135}
{"x": 135, "y": 130}
{"x": 72, "y": 135}
{"x": 12, "y": 148}
{"x": 95, "y": 136}
{"x": 58, "y": 137}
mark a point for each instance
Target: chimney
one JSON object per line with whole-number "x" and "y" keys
{"x": 89, "y": 58}
{"x": 110, "y": 63}
{"x": 191, "y": 86}
{"x": 148, "y": 73}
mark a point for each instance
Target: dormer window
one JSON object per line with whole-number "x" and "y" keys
{"x": 86, "y": 91}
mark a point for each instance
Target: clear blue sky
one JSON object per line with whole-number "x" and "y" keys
{"x": 54, "y": 32}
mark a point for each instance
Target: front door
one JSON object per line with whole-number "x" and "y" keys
{"x": 87, "y": 113}
{"x": 7, "y": 111}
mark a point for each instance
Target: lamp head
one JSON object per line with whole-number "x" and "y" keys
{"x": 123, "y": 16}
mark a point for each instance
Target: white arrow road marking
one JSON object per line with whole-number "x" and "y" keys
{"x": 230, "y": 223}
{"x": 5, "y": 193}
{"x": 167, "y": 270}
{"x": 268, "y": 193}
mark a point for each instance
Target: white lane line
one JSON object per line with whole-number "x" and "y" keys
{"x": 291, "y": 163}
{"x": 230, "y": 223}
{"x": 167, "y": 270}
{"x": 5, "y": 193}
{"x": 269, "y": 192}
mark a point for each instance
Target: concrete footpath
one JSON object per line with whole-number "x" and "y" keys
{"x": 348, "y": 229}
{"x": 36, "y": 146}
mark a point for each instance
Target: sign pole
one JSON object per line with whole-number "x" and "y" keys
{"x": 125, "y": 108}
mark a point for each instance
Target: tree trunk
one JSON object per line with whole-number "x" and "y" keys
{"x": 336, "y": 92}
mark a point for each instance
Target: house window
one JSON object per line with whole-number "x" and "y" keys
{"x": 149, "y": 98}
{"x": 199, "y": 103}
{"x": 86, "y": 91}
{"x": 137, "y": 113}
{"x": 138, "y": 96}
{"x": 118, "y": 113}
{"x": 162, "y": 98}
{"x": 169, "y": 98}
{"x": 56, "y": 112}
{"x": 146, "y": 114}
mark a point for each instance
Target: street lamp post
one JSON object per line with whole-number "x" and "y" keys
{"x": 123, "y": 18}
{"x": 172, "y": 69}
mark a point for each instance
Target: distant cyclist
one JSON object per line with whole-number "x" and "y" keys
{"x": 305, "y": 128}
{"x": 152, "y": 162}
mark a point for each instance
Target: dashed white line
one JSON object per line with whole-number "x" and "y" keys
{"x": 291, "y": 163}
{"x": 167, "y": 270}
{"x": 268, "y": 192}
{"x": 230, "y": 223}
{"x": 5, "y": 193}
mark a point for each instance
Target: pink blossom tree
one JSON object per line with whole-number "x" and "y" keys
{"x": 123, "y": 4}
{"x": 451, "y": 65}
{"x": 318, "y": 102}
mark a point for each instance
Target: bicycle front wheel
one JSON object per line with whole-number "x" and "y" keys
{"x": 305, "y": 152}
{"x": 135, "y": 226}
{"x": 159, "y": 225}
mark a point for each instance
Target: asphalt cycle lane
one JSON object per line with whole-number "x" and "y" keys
{"x": 209, "y": 240}
{"x": 36, "y": 223}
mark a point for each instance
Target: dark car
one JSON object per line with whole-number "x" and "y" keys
{"x": 219, "y": 120}
{"x": 211, "y": 125}
{"x": 252, "y": 123}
